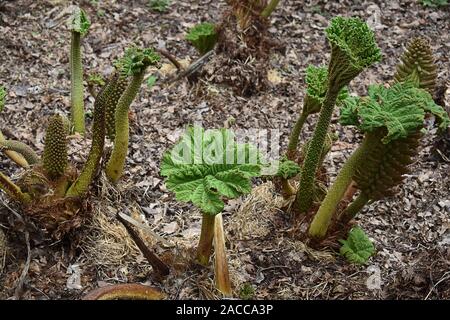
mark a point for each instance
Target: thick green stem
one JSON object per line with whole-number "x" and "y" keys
{"x": 76, "y": 79}
{"x": 116, "y": 163}
{"x": 270, "y": 8}
{"x": 13, "y": 190}
{"x": 295, "y": 134}
{"x": 305, "y": 192}
{"x": 206, "y": 239}
{"x": 324, "y": 215}
{"x": 352, "y": 210}
{"x": 81, "y": 185}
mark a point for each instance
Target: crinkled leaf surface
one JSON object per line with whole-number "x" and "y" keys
{"x": 287, "y": 169}
{"x": 357, "y": 248}
{"x": 401, "y": 109}
{"x": 203, "y": 167}
{"x": 79, "y": 21}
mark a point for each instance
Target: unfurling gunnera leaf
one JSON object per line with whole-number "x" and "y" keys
{"x": 287, "y": 169}
{"x": 316, "y": 90}
{"x": 2, "y": 98}
{"x": 205, "y": 166}
{"x": 203, "y": 37}
{"x": 136, "y": 60}
{"x": 400, "y": 109}
{"x": 357, "y": 248}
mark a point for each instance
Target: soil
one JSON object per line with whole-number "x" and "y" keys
{"x": 411, "y": 230}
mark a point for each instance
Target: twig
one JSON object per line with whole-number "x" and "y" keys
{"x": 196, "y": 65}
{"x": 171, "y": 58}
{"x": 158, "y": 265}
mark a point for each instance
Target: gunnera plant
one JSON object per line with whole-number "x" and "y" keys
{"x": 133, "y": 65}
{"x": 203, "y": 37}
{"x": 51, "y": 191}
{"x": 391, "y": 120}
{"x": 206, "y": 167}
{"x": 79, "y": 25}
{"x": 353, "y": 48}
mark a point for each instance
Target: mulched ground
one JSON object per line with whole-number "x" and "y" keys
{"x": 411, "y": 231}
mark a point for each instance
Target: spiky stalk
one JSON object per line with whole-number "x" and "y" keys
{"x": 12, "y": 190}
{"x": 116, "y": 163}
{"x": 322, "y": 219}
{"x": 134, "y": 64}
{"x": 79, "y": 25}
{"x": 353, "y": 48}
{"x": 120, "y": 84}
{"x": 55, "y": 149}
{"x": 417, "y": 64}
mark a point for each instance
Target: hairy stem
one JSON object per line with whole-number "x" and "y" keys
{"x": 324, "y": 215}
{"x": 270, "y": 8}
{"x": 305, "y": 192}
{"x": 76, "y": 79}
{"x": 116, "y": 163}
{"x": 295, "y": 134}
{"x": 12, "y": 190}
{"x": 21, "y": 148}
{"x": 352, "y": 210}
{"x": 206, "y": 239}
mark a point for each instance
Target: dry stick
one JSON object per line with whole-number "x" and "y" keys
{"x": 160, "y": 267}
{"x": 222, "y": 275}
{"x": 171, "y": 58}
{"x": 145, "y": 228}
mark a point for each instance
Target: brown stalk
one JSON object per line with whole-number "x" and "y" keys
{"x": 222, "y": 275}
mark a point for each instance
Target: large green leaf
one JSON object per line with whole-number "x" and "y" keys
{"x": 357, "y": 248}
{"x": 203, "y": 167}
{"x": 401, "y": 109}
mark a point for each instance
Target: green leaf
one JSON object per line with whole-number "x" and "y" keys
{"x": 203, "y": 167}
{"x": 287, "y": 169}
{"x": 400, "y": 109}
{"x": 159, "y": 5}
{"x": 316, "y": 90}
{"x": 151, "y": 81}
{"x": 2, "y": 98}
{"x": 349, "y": 111}
{"x": 79, "y": 21}
{"x": 136, "y": 59}
{"x": 203, "y": 37}
{"x": 357, "y": 248}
